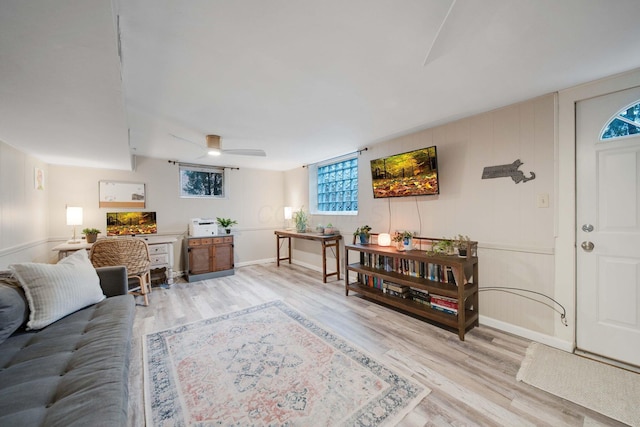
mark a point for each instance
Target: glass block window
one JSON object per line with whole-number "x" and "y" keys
{"x": 626, "y": 122}
{"x": 337, "y": 186}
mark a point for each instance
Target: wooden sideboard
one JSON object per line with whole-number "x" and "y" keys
{"x": 208, "y": 257}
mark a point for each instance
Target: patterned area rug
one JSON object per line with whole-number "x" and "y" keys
{"x": 268, "y": 366}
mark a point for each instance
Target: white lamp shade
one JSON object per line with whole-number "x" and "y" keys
{"x": 384, "y": 239}
{"x": 74, "y": 215}
{"x": 288, "y": 212}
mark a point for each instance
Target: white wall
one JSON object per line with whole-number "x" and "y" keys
{"x": 516, "y": 237}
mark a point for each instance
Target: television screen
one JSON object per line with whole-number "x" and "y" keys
{"x": 131, "y": 223}
{"x": 414, "y": 173}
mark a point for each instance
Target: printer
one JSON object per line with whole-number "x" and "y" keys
{"x": 200, "y": 227}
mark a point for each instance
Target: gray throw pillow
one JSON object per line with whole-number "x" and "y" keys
{"x": 14, "y": 310}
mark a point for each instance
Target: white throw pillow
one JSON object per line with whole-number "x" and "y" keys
{"x": 56, "y": 290}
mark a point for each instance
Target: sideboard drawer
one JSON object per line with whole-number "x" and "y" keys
{"x": 162, "y": 248}
{"x": 160, "y": 259}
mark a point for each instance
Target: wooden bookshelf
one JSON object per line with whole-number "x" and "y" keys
{"x": 449, "y": 276}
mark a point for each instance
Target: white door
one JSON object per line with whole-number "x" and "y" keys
{"x": 608, "y": 232}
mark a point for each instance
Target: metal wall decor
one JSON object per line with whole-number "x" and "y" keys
{"x": 510, "y": 170}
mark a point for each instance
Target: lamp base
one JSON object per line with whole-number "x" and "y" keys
{"x": 74, "y": 242}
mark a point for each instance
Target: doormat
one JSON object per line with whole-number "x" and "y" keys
{"x": 612, "y": 391}
{"x": 268, "y": 365}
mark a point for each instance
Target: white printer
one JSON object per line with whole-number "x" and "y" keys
{"x": 199, "y": 227}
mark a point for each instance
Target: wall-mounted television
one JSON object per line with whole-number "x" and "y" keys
{"x": 414, "y": 173}
{"x": 131, "y": 223}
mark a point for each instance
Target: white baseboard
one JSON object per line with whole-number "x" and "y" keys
{"x": 527, "y": 333}
{"x": 254, "y": 262}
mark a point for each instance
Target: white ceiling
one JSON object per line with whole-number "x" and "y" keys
{"x": 302, "y": 80}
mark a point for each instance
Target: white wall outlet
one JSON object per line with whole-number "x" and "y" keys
{"x": 543, "y": 200}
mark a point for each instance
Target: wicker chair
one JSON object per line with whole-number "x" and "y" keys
{"x": 133, "y": 253}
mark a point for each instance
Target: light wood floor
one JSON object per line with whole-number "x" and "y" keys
{"x": 472, "y": 382}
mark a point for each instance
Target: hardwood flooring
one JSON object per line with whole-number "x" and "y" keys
{"x": 472, "y": 382}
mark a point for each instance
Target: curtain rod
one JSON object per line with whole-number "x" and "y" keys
{"x": 337, "y": 157}
{"x": 202, "y": 166}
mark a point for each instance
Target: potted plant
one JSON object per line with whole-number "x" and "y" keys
{"x": 444, "y": 246}
{"x": 462, "y": 244}
{"x": 403, "y": 240}
{"x": 329, "y": 230}
{"x": 300, "y": 217}
{"x": 364, "y": 233}
{"x": 226, "y": 223}
{"x": 91, "y": 234}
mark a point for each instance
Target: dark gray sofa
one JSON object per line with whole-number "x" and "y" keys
{"x": 73, "y": 372}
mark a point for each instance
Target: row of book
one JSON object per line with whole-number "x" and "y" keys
{"x": 421, "y": 296}
{"x": 424, "y": 270}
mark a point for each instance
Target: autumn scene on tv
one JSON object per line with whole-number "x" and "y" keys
{"x": 127, "y": 223}
{"x": 408, "y": 174}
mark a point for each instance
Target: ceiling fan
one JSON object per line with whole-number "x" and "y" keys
{"x": 214, "y": 149}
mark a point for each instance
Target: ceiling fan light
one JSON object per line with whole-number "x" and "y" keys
{"x": 213, "y": 145}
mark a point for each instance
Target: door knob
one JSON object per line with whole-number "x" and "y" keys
{"x": 587, "y": 246}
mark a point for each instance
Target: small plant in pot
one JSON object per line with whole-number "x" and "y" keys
{"x": 91, "y": 234}
{"x": 226, "y": 223}
{"x": 444, "y": 246}
{"x": 329, "y": 230}
{"x": 403, "y": 240}
{"x": 462, "y": 244}
{"x": 364, "y": 233}
{"x": 301, "y": 219}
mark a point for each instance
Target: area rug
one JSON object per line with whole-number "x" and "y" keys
{"x": 268, "y": 365}
{"x": 603, "y": 388}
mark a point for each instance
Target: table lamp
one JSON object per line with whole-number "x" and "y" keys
{"x": 384, "y": 239}
{"x": 74, "y": 217}
{"x": 288, "y": 214}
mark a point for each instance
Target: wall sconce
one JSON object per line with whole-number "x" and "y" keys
{"x": 74, "y": 217}
{"x": 384, "y": 239}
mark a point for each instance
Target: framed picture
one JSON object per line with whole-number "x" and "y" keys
{"x": 115, "y": 194}
{"x": 38, "y": 179}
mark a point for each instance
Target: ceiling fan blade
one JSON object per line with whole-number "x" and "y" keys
{"x": 245, "y": 152}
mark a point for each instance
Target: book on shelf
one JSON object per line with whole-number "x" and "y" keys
{"x": 445, "y": 303}
{"x": 420, "y": 296}
{"x": 403, "y": 289}
{"x": 443, "y": 309}
{"x": 396, "y": 294}
{"x": 409, "y": 267}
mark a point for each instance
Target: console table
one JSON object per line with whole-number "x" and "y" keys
{"x": 330, "y": 241}
{"x": 160, "y": 251}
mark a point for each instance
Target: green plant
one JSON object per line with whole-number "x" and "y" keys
{"x": 444, "y": 246}
{"x": 91, "y": 231}
{"x": 461, "y": 241}
{"x": 365, "y": 229}
{"x": 399, "y": 236}
{"x": 225, "y": 222}
{"x": 300, "y": 218}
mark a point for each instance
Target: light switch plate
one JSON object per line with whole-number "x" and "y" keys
{"x": 543, "y": 200}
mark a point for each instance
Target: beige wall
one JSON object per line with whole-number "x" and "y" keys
{"x": 23, "y": 208}
{"x": 516, "y": 237}
{"x": 254, "y": 200}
